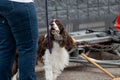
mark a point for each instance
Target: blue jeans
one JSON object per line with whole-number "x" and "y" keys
{"x": 18, "y": 29}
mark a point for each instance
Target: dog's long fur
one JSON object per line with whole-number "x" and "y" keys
{"x": 56, "y": 61}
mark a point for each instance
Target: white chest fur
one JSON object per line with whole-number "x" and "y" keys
{"x": 55, "y": 62}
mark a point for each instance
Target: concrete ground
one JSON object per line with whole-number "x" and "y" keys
{"x": 78, "y": 71}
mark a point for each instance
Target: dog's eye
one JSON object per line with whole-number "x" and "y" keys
{"x": 51, "y": 24}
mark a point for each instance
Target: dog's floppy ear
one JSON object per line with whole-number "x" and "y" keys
{"x": 61, "y": 26}
{"x": 40, "y": 45}
{"x": 69, "y": 42}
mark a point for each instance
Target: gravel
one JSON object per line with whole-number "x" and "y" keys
{"x": 78, "y": 71}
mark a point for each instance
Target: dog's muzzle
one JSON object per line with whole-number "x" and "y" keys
{"x": 58, "y": 37}
{"x": 56, "y": 34}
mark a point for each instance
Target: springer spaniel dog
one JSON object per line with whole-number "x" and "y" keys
{"x": 60, "y": 43}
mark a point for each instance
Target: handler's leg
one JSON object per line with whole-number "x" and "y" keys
{"x": 7, "y": 50}
{"x": 25, "y": 29}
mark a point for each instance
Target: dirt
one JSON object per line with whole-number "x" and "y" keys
{"x": 78, "y": 71}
